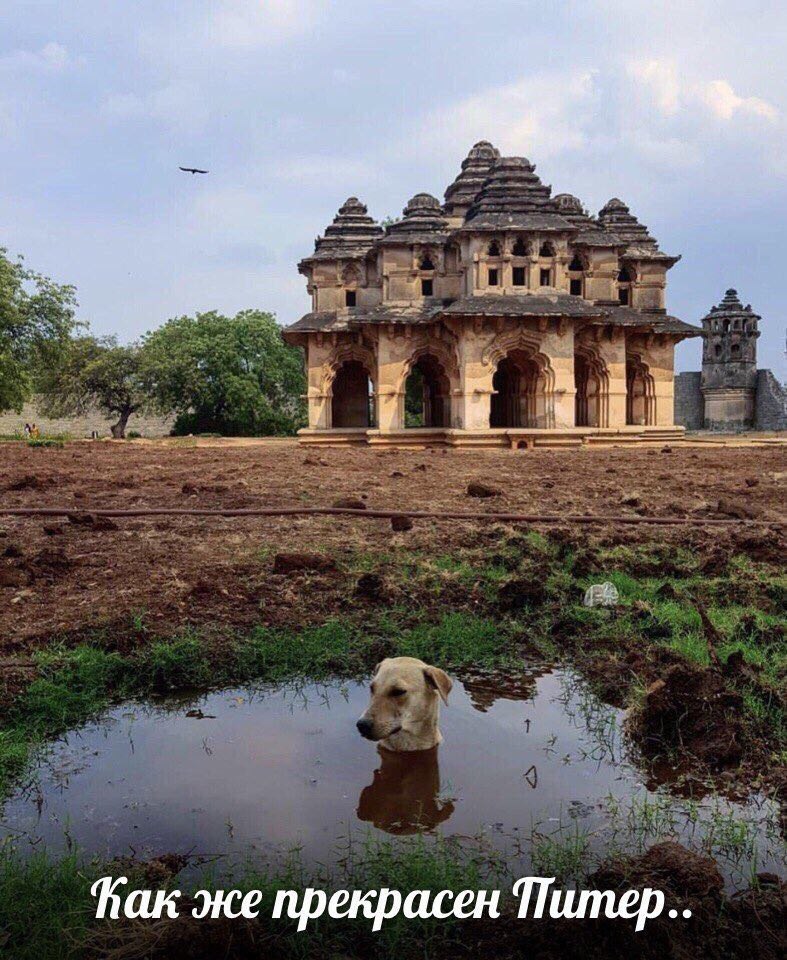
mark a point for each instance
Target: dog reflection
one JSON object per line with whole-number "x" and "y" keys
{"x": 403, "y": 797}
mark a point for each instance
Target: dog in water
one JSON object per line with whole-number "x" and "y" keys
{"x": 404, "y": 710}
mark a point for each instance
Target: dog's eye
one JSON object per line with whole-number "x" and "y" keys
{"x": 398, "y": 692}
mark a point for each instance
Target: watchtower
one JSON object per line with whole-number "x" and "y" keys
{"x": 729, "y": 364}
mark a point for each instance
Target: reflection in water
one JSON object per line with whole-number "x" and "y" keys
{"x": 403, "y": 796}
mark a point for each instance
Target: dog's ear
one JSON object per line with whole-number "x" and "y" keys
{"x": 439, "y": 680}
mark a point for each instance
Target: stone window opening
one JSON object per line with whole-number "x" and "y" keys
{"x": 427, "y": 287}
{"x": 625, "y": 280}
{"x": 520, "y": 248}
{"x": 352, "y": 397}
{"x": 735, "y": 350}
{"x": 427, "y": 395}
{"x": 426, "y": 262}
{"x": 575, "y": 287}
{"x": 545, "y": 278}
{"x": 492, "y": 277}
{"x": 519, "y": 276}
{"x": 546, "y": 249}
{"x": 350, "y": 298}
{"x": 576, "y": 265}
{"x": 494, "y": 249}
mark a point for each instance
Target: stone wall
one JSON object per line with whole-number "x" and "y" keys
{"x": 11, "y": 422}
{"x": 770, "y": 409}
{"x": 689, "y": 406}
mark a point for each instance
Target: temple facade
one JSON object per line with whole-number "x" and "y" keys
{"x": 504, "y": 316}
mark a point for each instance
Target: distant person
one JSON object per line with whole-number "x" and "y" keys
{"x": 35, "y": 432}
{"x": 28, "y": 429}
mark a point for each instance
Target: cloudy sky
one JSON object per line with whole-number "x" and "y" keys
{"x": 678, "y": 107}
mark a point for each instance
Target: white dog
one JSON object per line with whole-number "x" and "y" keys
{"x": 404, "y": 709}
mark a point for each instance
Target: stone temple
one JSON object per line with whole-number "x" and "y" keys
{"x": 504, "y": 316}
{"x": 730, "y": 394}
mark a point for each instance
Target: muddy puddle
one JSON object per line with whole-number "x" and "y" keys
{"x": 539, "y": 770}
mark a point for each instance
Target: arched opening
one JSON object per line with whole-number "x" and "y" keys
{"x": 494, "y": 249}
{"x": 426, "y": 262}
{"x": 592, "y": 391}
{"x": 352, "y": 396}
{"x": 427, "y": 394}
{"x": 519, "y": 392}
{"x": 546, "y": 249}
{"x": 640, "y": 394}
{"x": 520, "y": 248}
{"x": 625, "y": 280}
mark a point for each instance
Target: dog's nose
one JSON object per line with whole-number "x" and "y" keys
{"x": 364, "y": 727}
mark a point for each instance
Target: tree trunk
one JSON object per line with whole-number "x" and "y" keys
{"x": 119, "y": 429}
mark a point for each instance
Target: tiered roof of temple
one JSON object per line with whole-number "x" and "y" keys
{"x": 494, "y": 202}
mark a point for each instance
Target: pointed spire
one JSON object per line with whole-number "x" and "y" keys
{"x": 351, "y": 234}
{"x": 616, "y": 217}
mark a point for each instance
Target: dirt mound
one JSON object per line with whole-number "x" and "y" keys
{"x": 32, "y": 481}
{"x": 483, "y": 490}
{"x": 691, "y": 709}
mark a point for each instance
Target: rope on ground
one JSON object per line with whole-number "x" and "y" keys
{"x": 375, "y": 514}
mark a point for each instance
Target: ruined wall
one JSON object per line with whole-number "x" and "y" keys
{"x": 11, "y": 423}
{"x": 770, "y": 408}
{"x": 689, "y": 405}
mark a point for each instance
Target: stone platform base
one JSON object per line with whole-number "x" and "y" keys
{"x": 514, "y": 439}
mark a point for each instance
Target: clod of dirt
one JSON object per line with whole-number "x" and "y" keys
{"x": 12, "y": 551}
{"x": 286, "y": 563}
{"x": 31, "y": 482}
{"x": 53, "y": 529}
{"x": 189, "y": 489}
{"x": 518, "y": 594}
{"x": 483, "y": 490}
{"x": 349, "y": 503}
{"x": 370, "y": 586}
{"x": 12, "y": 576}
{"x": 92, "y": 521}
{"x": 630, "y": 500}
{"x": 692, "y": 709}
{"x": 401, "y": 523}
{"x": 397, "y": 473}
{"x": 687, "y": 875}
{"x": 734, "y": 508}
{"x": 420, "y": 466}
{"x": 666, "y": 449}
{"x": 751, "y": 481}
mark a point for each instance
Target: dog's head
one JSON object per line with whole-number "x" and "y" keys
{"x": 404, "y": 705}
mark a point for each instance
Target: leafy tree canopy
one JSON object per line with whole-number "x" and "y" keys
{"x": 96, "y": 372}
{"x": 36, "y": 323}
{"x": 229, "y": 375}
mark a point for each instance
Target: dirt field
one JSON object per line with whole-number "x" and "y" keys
{"x": 58, "y": 577}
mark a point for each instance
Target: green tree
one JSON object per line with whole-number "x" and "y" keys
{"x": 36, "y": 323}
{"x": 228, "y": 375}
{"x": 96, "y": 372}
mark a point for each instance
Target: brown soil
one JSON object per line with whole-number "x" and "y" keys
{"x": 64, "y": 578}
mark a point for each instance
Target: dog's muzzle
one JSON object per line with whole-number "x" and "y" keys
{"x": 365, "y": 728}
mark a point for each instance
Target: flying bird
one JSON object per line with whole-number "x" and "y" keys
{"x": 191, "y": 170}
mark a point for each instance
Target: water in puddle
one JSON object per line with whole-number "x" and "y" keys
{"x": 266, "y": 769}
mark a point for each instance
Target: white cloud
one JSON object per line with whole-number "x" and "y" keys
{"x": 672, "y": 93}
{"x": 247, "y": 24}
{"x": 725, "y": 103}
{"x": 51, "y": 58}
{"x": 660, "y": 77}
{"x": 543, "y": 113}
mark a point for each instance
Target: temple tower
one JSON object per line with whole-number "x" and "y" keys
{"x": 729, "y": 364}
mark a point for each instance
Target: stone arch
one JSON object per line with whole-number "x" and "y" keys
{"x": 523, "y": 383}
{"x": 591, "y": 380}
{"x": 350, "y": 385}
{"x": 640, "y": 392}
{"x": 436, "y": 365}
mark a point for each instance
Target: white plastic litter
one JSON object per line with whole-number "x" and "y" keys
{"x": 602, "y": 595}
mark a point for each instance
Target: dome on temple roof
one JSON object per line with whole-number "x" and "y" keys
{"x": 568, "y": 203}
{"x": 423, "y": 221}
{"x": 616, "y": 217}
{"x": 513, "y": 196}
{"x": 350, "y": 235}
{"x": 421, "y": 203}
{"x": 475, "y": 169}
